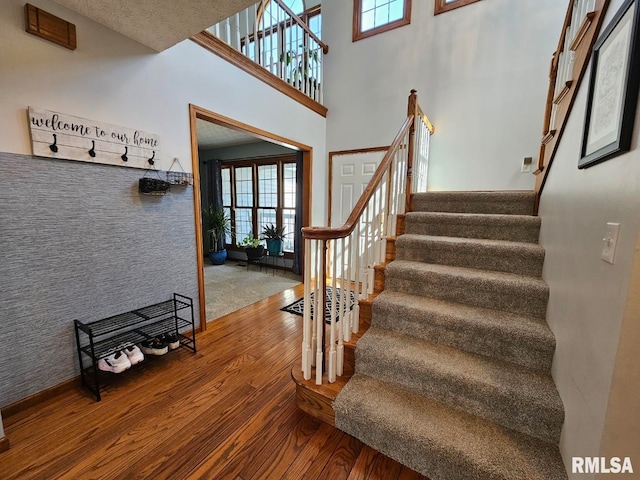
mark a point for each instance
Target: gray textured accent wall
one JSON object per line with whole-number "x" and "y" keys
{"x": 77, "y": 241}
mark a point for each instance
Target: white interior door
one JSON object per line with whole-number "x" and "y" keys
{"x": 351, "y": 173}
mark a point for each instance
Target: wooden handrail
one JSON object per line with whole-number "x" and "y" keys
{"x": 328, "y": 233}
{"x": 426, "y": 120}
{"x": 304, "y": 26}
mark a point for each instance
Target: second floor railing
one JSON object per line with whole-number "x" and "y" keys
{"x": 568, "y": 65}
{"x": 339, "y": 262}
{"x": 277, "y": 39}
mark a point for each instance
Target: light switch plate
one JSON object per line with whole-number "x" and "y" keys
{"x": 609, "y": 242}
{"x": 527, "y": 165}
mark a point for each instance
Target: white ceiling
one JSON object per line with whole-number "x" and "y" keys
{"x": 158, "y": 24}
{"x": 211, "y": 135}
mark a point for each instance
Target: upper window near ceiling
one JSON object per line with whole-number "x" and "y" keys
{"x": 446, "y": 5}
{"x": 273, "y": 14}
{"x": 371, "y": 17}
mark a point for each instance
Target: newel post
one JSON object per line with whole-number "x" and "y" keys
{"x": 412, "y": 111}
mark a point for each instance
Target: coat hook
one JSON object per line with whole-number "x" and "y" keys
{"x": 92, "y": 152}
{"x": 124, "y": 155}
{"x": 151, "y": 160}
{"x": 54, "y": 146}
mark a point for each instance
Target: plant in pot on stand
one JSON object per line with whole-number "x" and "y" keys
{"x": 274, "y": 237}
{"x": 252, "y": 248}
{"x": 217, "y": 224}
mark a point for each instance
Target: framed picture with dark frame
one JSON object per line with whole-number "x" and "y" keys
{"x": 613, "y": 89}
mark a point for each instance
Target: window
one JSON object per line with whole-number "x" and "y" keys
{"x": 280, "y": 38}
{"x": 446, "y": 5}
{"x": 258, "y": 193}
{"x": 371, "y": 17}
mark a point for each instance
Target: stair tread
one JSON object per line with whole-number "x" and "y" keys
{"x": 437, "y": 440}
{"x": 457, "y": 194}
{"x": 424, "y": 355}
{"x": 468, "y": 273}
{"x": 461, "y": 242}
{"x": 508, "y": 202}
{"x": 461, "y": 217}
{"x": 495, "y": 255}
{"x": 532, "y": 328}
{"x": 513, "y": 227}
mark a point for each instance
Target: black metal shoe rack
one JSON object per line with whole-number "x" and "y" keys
{"x": 99, "y": 339}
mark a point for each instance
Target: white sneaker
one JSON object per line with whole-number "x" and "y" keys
{"x": 134, "y": 354}
{"x": 116, "y": 363}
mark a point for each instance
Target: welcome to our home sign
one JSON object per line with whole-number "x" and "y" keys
{"x": 57, "y": 135}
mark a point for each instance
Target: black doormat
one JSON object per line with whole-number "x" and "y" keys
{"x": 297, "y": 307}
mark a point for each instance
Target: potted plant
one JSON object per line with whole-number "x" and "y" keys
{"x": 274, "y": 236}
{"x": 252, "y": 247}
{"x": 299, "y": 66}
{"x": 217, "y": 224}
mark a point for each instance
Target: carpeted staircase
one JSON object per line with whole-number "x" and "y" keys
{"x": 453, "y": 377}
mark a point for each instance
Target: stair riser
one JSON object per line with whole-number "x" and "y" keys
{"x": 390, "y": 254}
{"x": 470, "y": 337}
{"x": 439, "y": 442}
{"x": 315, "y": 404}
{"x": 509, "y": 297}
{"x": 437, "y": 464}
{"x": 485, "y": 258}
{"x": 476, "y": 398}
{"x": 518, "y": 233}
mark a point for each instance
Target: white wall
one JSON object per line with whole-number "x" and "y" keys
{"x": 588, "y": 296}
{"x": 481, "y": 72}
{"x": 250, "y": 150}
{"x": 112, "y": 79}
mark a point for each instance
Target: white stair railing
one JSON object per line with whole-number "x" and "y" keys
{"x": 271, "y": 35}
{"x": 339, "y": 262}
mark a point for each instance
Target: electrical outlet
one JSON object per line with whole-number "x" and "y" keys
{"x": 609, "y": 242}
{"x": 527, "y": 165}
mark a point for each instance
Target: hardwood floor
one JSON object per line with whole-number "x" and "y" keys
{"x": 226, "y": 412}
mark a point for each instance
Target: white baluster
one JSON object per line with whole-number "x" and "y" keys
{"x": 237, "y": 45}
{"x": 263, "y": 46}
{"x": 367, "y": 251}
{"x": 331, "y": 372}
{"x": 348, "y": 312}
{"x": 227, "y": 31}
{"x": 393, "y": 185}
{"x": 402, "y": 163}
{"x": 256, "y": 39}
{"x": 316, "y": 285}
{"x": 375, "y": 231}
{"x": 382, "y": 202}
{"x": 247, "y": 31}
{"x": 279, "y": 43}
{"x": 319, "y": 311}
{"x": 343, "y": 310}
{"x": 357, "y": 238}
{"x": 307, "y": 353}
